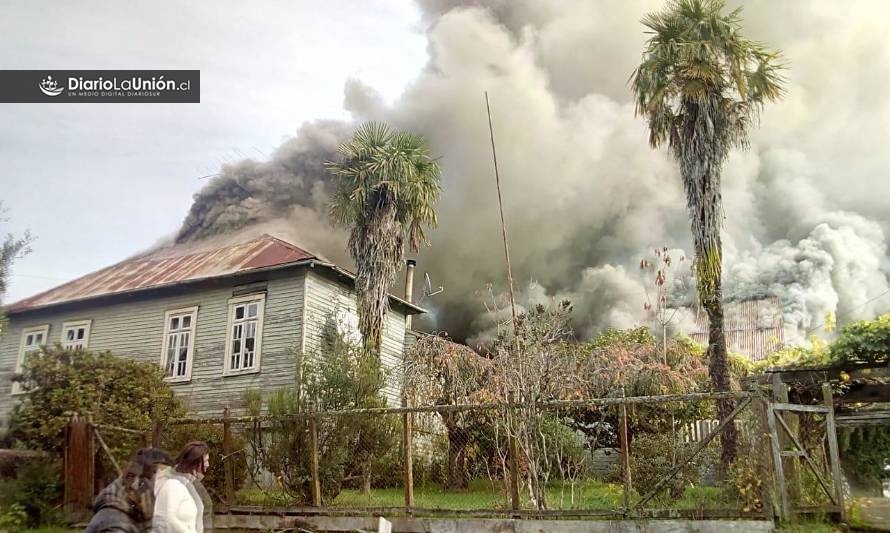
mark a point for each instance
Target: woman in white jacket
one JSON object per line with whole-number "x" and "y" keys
{"x": 178, "y": 507}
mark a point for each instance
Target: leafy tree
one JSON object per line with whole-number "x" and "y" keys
{"x": 441, "y": 372}
{"x": 113, "y": 390}
{"x": 12, "y": 248}
{"x": 866, "y": 341}
{"x": 340, "y": 376}
{"x": 701, "y": 85}
{"x": 388, "y": 186}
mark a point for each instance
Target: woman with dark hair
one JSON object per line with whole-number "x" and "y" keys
{"x": 178, "y": 506}
{"x": 126, "y": 504}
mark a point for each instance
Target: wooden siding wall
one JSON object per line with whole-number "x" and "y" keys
{"x": 134, "y": 328}
{"x": 325, "y": 296}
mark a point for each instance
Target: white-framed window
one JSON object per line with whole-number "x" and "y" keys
{"x": 245, "y": 334}
{"x": 347, "y": 321}
{"x": 178, "y": 349}
{"x": 76, "y": 334}
{"x": 32, "y": 339}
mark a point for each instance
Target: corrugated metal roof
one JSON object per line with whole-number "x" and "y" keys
{"x": 171, "y": 266}
{"x": 753, "y": 327}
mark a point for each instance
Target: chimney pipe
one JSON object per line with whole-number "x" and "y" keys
{"x": 409, "y": 287}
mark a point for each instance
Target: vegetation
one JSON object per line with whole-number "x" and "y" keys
{"x": 340, "y": 376}
{"x": 176, "y": 437}
{"x": 866, "y": 341}
{"x": 388, "y": 187}
{"x": 32, "y": 497}
{"x": 701, "y": 85}
{"x": 113, "y": 390}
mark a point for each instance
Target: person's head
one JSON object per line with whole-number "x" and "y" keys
{"x": 194, "y": 459}
{"x": 143, "y": 466}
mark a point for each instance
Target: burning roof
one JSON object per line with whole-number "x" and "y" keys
{"x": 177, "y": 265}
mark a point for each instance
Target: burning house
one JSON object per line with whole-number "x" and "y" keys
{"x": 218, "y": 319}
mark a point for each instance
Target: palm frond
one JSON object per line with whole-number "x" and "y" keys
{"x": 388, "y": 187}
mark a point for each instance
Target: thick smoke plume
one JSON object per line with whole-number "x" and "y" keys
{"x": 585, "y": 197}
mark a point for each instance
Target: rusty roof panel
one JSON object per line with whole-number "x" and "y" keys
{"x": 169, "y": 266}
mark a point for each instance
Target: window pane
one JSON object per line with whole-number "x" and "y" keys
{"x": 251, "y": 310}
{"x": 236, "y": 331}
{"x": 236, "y": 346}
{"x": 248, "y": 344}
{"x": 174, "y": 323}
{"x": 80, "y": 333}
{"x": 239, "y": 312}
{"x": 29, "y": 340}
{"x": 69, "y": 334}
{"x": 251, "y": 329}
{"x": 38, "y": 339}
{"x": 187, "y": 321}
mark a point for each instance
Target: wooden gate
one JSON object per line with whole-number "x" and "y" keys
{"x": 786, "y": 447}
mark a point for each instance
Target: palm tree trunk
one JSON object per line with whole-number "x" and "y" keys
{"x": 718, "y": 369}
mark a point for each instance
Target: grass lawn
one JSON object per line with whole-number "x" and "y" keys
{"x": 482, "y": 494}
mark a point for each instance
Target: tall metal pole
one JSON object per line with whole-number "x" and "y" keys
{"x": 513, "y": 442}
{"x": 497, "y": 180}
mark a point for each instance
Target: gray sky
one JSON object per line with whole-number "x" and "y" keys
{"x": 97, "y": 182}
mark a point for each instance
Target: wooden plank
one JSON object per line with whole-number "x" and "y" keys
{"x": 789, "y": 465}
{"x": 792, "y": 453}
{"x": 767, "y": 492}
{"x": 408, "y": 459}
{"x": 784, "y": 504}
{"x": 313, "y": 463}
{"x": 625, "y": 457}
{"x": 799, "y": 408}
{"x": 833, "y": 450}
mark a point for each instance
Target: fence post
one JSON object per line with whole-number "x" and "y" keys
{"x": 789, "y": 464}
{"x": 313, "y": 463}
{"x": 156, "y": 434}
{"x": 513, "y": 452}
{"x": 79, "y": 467}
{"x": 625, "y": 454}
{"x": 767, "y": 490}
{"x": 228, "y": 466}
{"x": 408, "y": 459}
{"x": 831, "y": 433}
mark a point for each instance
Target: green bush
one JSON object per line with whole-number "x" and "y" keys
{"x": 176, "y": 437}
{"x": 652, "y": 457}
{"x": 36, "y": 491}
{"x": 340, "y": 376}
{"x": 114, "y": 390}
{"x": 13, "y": 517}
{"x": 866, "y": 341}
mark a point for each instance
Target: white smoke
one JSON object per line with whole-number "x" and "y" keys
{"x": 585, "y": 197}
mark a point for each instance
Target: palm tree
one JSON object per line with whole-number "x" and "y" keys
{"x": 702, "y": 85}
{"x": 388, "y": 185}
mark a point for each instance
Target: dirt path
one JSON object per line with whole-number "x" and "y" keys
{"x": 875, "y": 512}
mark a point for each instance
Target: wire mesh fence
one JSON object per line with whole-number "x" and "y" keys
{"x": 612, "y": 456}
